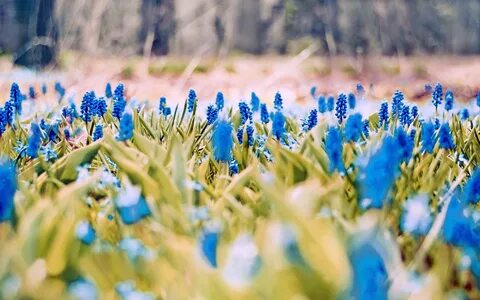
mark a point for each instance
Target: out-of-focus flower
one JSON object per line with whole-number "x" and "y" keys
{"x": 34, "y": 140}
{"x": 208, "y": 245}
{"x": 8, "y": 187}
{"x": 222, "y": 141}
{"x": 243, "y": 262}
{"x": 82, "y": 289}
{"x": 255, "y": 102}
{"x": 445, "y": 137}
{"x": 416, "y": 217}
{"x": 472, "y": 188}
{"x": 108, "y": 90}
{"x": 131, "y": 205}
{"x": 352, "y": 101}
{"x": 278, "y": 125}
{"x": 125, "y": 131}
{"x": 449, "y": 99}
{"x": 353, "y": 128}
{"x": 428, "y": 137}
{"x": 264, "y": 116}
{"x": 220, "y": 101}
{"x": 278, "y": 101}
{"x": 85, "y": 232}
{"x": 322, "y": 104}
{"x": 330, "y": 103}
{"x": 334, "y": 149}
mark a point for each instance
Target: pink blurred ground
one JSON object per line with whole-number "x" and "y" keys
{"x": 238, "y": 76}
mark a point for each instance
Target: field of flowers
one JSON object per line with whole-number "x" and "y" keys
{"x": 108, "y": 198}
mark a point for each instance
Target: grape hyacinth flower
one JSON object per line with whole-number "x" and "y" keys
{"x": 370, "y": 276}
{"x": 341, "y": 108}
{"x": 460, "y": 228}
{"x": 428, "y": 137}
{"x": 278, "y": 125}
{"x": 49, "y": 153}
{"x": 352, "y": 101}
{"x": 220, "y": 101}
{"x": 87, "y": 108}
{"x": 413, "y": 134}
{"x": 428, "y": 88}
{"x": 100, "y": 107}
{"x": 330, "y": 103}
{"x": 360, "y": 89}
{"x": 60, "y": 90}
{"x": 108, "y": 90}
{"x": 478, "y": 99}
{"x": 16, "y": 98}
{"x": 437, "y": 124}
{"x": 85, "y": 232}
{"x": 397, "y": 103}
{"x": 66, "y": 133}
{"x": 245, "y": 112}
{"x": 240, "y": 135}
{"x": 162, "y": 105}
{"x": 311, "y": 121}
{"x": 250, "y": 138}
{"x": 134, "y": 249}
{"x": 191, "y": 100}
{"x": 472, "y": 188}
{"x": 264, "y": 115}
{"x": 322, "y": 104}
{"x": 233, "y": 167}
{"x": 437, "y": 95}
{"x": 8, "y": 187}
{"x": 34, "y": 140}
{"x": 125, "y": 131}
{"x": 404, "y": 145}
{"x": 365, "y": 128}
{"x": 353, "y": 128}
{"x": 445, "y": 137}
{"x": 464, "y": 114}
{"x": 416, "y": 217}
{"x": 44, "y": 88}
{"x": 212, "y": 114}
{"x": 98, "y": 132}
{"x": 313, "y": 91}
{"x": 31, "y": 92}
{"x": 243, "y": 262}
{"x": 377, "y": 174}
{"x": 278, "y": 101}
{"x": 405, "y": 116}
{"x": 131, "y": 205}
{"x": 82, "y": 289}
{"x": 208, "y": 245}
{"x": 119, "y": 102}
{"x": 414, "y": 112}
{"x": 449, "y": 99}
{"x": 255, "y": 102}
{"x": 9, "y": 110}
{"x": 222, "y": 141}
{"x": 334, "y": 149}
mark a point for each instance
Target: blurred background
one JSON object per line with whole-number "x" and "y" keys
{"x": 243, "y": 45}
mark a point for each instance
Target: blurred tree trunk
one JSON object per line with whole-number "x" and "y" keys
{"x": 38, "y": 33}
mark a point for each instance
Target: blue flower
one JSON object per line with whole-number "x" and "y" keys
{"x": 212, "y": 114}
{"x": 208, "y": 246}
{"x": 416, "y": 217}
{"x": 98, "y": 132}
{"x": 278, "y": 101}
{"x": 220, "y": 101}
{"x": 313, "y": 91}
{"x": 360, "y": 89}
{"x": 9, "y": 112}
{"x": 459, "y": 228}
{"x": 437, "y": 124}
{"x": 464, "y": 114}
{"x": 472, "y": 188}
{"x": 233, "y": 167}
{"x": 370, "y": 277}
{"x": 404, "y": 145}
{"x": 134, "y": 248}
{"x": 85, "y": 232}
{"x": 405, "y": 116}
{"x": 66, "y": 133}
{"x": 330, "y": 103}
{"x": 108, "y": 90}
{"x": 162, "y": 104}
{"x": 311, "y": 121}
{"x": 245, "y": 112}
{"x": 8, "y": 187}
{"x": 322, "y": 104}
{"x": 397, "y": 103}
{"x": 353, "y": 128}
{"x": 278, "y": 125}
{"x": 264, "y": 116}
{"x": 437, "y": 95}
{"x": 125, "y": 131}
{"x": 413, "y": 133}
{"x": 49, "y": 153}
{"x": 250, "y": 137}
{"x": 191, "y": 100}
{"x": 377, "y": 174}
{"x": 100, "y": 107}
{"x": 243, "y": 262}
{"x": 255, "y": 102}
{"x": 60, "y": 90}
{"x": 449, "y": 99}
{"x": 341, "y": 108}
{"x": 34, "y": 141}
{"x": 119, "y": 102}
{"x": 131, "y": 205}
{"x": 414, "y": 112}
{"x": 82, "y": 289}
{"x": 352, "y": 101}
{"x": 31, "y": 92}
{"x": 167, "y": 111}
{"x": 334, "y": 149}
{"x": 365, "y": 128}
{"x": 222, "y": 141}
{"x": 16, "y": 98}
{"x": 445, "y": 137}
{"x": 240, "y": 135}
{"x": 428, "y": 137}
{"x": 478, "y": 99}
{"x": 428, "y": 88}
{"x": 44, "y": 88}
{"x": 87, "y": 108}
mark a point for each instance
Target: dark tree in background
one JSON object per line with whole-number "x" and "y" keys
{"x": 38, "y": 33}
